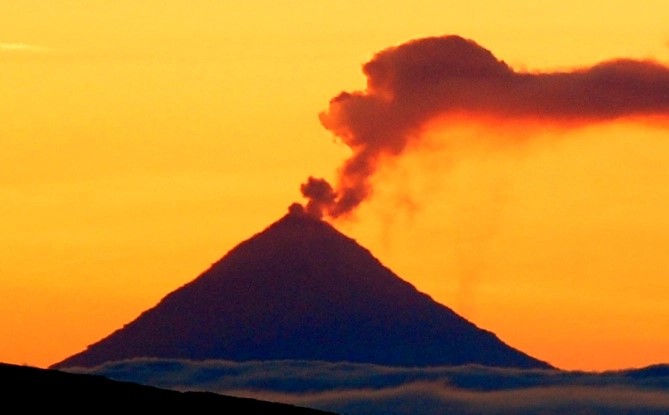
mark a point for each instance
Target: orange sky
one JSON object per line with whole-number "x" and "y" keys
{"x": 141, "y": 140}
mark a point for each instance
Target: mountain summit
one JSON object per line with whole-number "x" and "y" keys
{"x": 302, "y": 290}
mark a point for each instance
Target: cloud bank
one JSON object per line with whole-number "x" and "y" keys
{"x": 417, "y": 82}
{"x": 363, "y": 389}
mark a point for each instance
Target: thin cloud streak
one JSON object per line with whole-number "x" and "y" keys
{"x": 410, "y": 85}
{"x": 22, "y": 47}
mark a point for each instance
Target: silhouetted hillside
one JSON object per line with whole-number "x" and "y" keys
{"x": 32, "y": 388}
{"x": 302, "y": 290}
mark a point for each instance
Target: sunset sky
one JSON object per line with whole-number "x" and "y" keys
{"x": 142, "y": 139}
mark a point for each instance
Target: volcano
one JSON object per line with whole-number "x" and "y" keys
{"x": 302, "y": 290}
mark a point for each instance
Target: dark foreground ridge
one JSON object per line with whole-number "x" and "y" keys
{"x": 27, "y": 388}
{"x": 302, "y": 290}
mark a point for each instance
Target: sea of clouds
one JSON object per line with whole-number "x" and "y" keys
{"x": 364, "y": 389}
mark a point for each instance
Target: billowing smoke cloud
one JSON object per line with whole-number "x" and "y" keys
{"x": 422, "y": 80}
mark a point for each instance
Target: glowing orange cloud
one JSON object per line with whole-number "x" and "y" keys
{"x": 416, "y": 82}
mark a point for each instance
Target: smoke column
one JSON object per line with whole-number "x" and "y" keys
{"x": 411, "y": 84}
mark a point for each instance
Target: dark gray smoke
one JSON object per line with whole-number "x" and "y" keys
{"x": 416, "y": 82}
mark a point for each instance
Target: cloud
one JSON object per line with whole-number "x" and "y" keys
{"x": 423, "y": 80}
{"x": 364, "y": 389}
{"x": 22, "y": 47}
{"x": 433, "y": 398}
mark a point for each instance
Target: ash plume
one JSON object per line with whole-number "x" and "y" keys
{"x": 417, "y": 82}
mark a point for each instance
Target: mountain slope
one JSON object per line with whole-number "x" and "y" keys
{"x": 302, "y": 290}
{"x": 28, "y": 388}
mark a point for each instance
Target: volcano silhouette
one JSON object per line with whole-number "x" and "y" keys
{"x": 302, "y": 290}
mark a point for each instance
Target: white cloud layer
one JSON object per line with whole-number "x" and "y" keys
{"x": 361, "y": 389}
